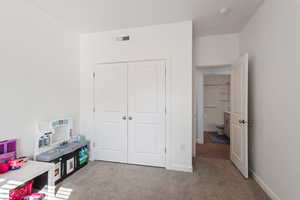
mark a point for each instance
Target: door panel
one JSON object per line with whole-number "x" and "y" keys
{"x": 236, "y": 141}
{"x": 150, "y": 132}
{"x": 239, "y": 115}
{"x": 111, "y": 107}
{"x": 146, "y": 112}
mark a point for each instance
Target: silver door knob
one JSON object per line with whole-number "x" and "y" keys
{"x": 130, "y": 118}
{"x": 124, "y": 118}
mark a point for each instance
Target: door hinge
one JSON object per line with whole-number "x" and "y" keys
{"x": 94, "y": 109}
{"x": 165, "y": 110}
{"x": 94, "y": 74}
{"x": 94, "y": 144}
{"x": 165, "y": 149}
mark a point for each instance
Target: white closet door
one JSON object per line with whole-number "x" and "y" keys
{"x": 146, "y": 113}
{"x": 110, "y": 113}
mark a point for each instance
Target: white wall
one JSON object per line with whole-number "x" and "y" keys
{"x": 170, "y": 41}
{"x": 272, "y": 40}
{"x": 39, "y": 77}
{"x": 216, "y": 50}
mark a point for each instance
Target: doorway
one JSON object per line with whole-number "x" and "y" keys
{"x": 231, "y": 128}
{"x": 213, "y": 103}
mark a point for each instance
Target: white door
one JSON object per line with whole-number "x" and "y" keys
{"x": 111, "y": 112}
{"x": 239, "y": 115}
{"x": 146, "y": 113}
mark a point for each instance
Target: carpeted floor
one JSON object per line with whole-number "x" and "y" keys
{"x": 213, "y": 179}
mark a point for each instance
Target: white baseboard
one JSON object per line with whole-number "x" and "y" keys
{"x": 180, "y": 168}
{"x": 264, "y": 186}
{"x": 200, "y": 141}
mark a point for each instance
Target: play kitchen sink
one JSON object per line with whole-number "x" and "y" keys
{"x": 56, "y": 143}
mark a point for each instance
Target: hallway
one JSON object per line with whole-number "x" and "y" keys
{"x": 213, "y": 150}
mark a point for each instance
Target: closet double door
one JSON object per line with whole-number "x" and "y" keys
{"x": 130, "y": 112}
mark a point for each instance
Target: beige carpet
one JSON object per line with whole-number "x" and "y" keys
{"x": 213, "y": 179}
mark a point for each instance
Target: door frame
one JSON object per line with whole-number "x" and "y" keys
{"x": 167, "y": 104}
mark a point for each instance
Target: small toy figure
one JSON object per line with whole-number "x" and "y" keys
{"x": 18, "y": 163}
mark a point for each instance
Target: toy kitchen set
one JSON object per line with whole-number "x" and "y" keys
{"x": 56, "y": 143}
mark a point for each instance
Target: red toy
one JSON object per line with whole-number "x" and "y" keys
{"x": 4, "y": 167}
{"x": 18, "y": 163}
{"x": 21, "y": 192}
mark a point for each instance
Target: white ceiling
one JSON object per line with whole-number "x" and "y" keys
{"x": 101, "y": 15}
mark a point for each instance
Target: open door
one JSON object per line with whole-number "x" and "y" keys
{"x": 239, "y": 115}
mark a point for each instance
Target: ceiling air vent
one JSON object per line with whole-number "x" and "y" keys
{"x": 123, "y": 38}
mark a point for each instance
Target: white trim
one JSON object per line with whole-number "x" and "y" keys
{"x": 190, "y": 96}
{"x": 167, "y": 62}
{"x": 93, "y": 135}
{"x": 182, "y": 168}
{"x": 213, "y": 65}
{"x": 264, "y": 186}
{"x": 168, "y": 115}
{"x": 200, "y": 140}
{"x": 99, "y": 62}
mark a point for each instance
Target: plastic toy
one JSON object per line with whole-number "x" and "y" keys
{"x": 83, "y": 156}
{"x": 8, "y": 150}
{"x": 19, "y": 193}
{"x": 4, "y": 167}
{"x": 18, "y": 163}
